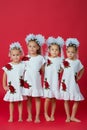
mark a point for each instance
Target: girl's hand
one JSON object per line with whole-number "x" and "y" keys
{"x": 78, "y": 78}
{"x": 6, "y": 88}
{"x": 79, "y": 75}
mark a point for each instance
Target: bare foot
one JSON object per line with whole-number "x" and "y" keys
{"x": 47, "y": 117}
{"x": 52, "y": 118}
{"x": 37, "y": 120}
{"x": 20, "y": 120}
{"x": 29, "y": 119}
{"x": 75, "y": 119}
{"x": 67, "y": 120}
{"x": 10, "y": 120}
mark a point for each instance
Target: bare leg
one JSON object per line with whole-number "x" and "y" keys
{"x": 53, "y": 109}
{"x": 29, "y": 109}
{"x": 11, "y": 109}
{"x": 20, "y": 108}
{"x": 74, "y": 110}
{"x": 67, "y": 110}
{"x": 46, "y": 106}
{"x": 38, "y": 104}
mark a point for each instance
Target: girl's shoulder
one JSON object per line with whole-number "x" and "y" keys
{"x": 79, "y": 62}
{"x": 26, "y": 58}
{"x": 76, "y": 61}
{"x": 54, "y": 60}
{"x": 40, "y": 57}
{"x": 60, "y": 58}
{"x": 47, "y": 58}
{"x": 7, "y": 66}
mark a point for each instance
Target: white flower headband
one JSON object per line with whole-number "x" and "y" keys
{"x": 59, "y": 40}
{"x": 72, "y": 41}
{"x": 16, "y": 45}
{"x": 38, "y": 38}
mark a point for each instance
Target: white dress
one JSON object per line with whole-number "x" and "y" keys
{"x": 69, "y": 88}
{"x": 15, "y": 74}
{"x": 32, "y": 77}
{"x": 51, "y": 79}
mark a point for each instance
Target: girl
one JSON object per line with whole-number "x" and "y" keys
{"x": 52, "y": 72}
{"x": 32, "y": 80}
{"x": 73, "y": 71}
{"x": 12, "y": 79}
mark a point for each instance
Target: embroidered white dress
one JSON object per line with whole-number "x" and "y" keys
{"x": 69, "y": 88}
{"x": 15, "y": 74}
{"x": 51, "y": 80}
{"x": 32, "y": 78}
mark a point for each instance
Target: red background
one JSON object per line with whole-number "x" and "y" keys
{"x": 66, "y": 18}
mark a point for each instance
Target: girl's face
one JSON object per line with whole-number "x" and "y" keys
{"x": 32, "y": 48}
{"x": 71, "y": 53}
{"x": 54, "y": 50}
{"x": 15, "y": 55}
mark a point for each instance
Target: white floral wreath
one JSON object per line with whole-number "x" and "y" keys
{"x": 38, "y": 38}
{"x": 59, "y": 40}
{"x": 16, "y": 45}
{"x": 72, "y": 41}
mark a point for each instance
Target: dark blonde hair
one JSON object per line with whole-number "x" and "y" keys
{"x": 72, "y": 45}
{"x": 57, "y": 45}
{"x": 16, "y": 48}
{"x": 39, "y": 50}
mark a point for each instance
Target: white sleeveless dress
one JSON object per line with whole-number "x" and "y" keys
{"x": 51, "y": 79}
{"x": 69, "y": 88}
{"x": 15, "y": 74}
{"x": 32, "y": 79}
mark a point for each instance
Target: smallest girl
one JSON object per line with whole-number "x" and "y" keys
{"x": 52, "y": 75}
{"x": 73, "y": 71}
{"x": 13, "y": 79}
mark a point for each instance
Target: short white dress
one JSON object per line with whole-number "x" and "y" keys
{"x": 15, "y": 74}
{"x": 32, "y": 78}
{"x": 51, "y": 79}
{"x": 69, "y": 88}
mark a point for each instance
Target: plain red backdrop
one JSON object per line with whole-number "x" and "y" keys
{"x": 66, "y": 18}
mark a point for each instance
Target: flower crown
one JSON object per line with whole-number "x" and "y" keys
{"x": 39, "y": 39}
{"x": 59, "y": 41}
{"x": 16, "y": 45}
{"x": 72, "y": 42}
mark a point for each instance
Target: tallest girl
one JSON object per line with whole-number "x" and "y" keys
{"x": 32, "y": 80}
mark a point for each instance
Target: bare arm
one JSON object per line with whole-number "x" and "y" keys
{"x": 80, "y": 74}
{"x": 43, "y": 68}
{"x": 61, "y": 69}
{"x": 5, "y": 82}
